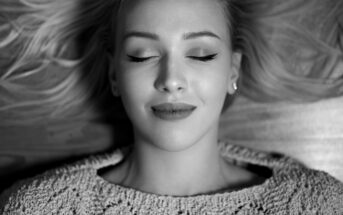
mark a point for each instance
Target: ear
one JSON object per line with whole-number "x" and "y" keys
{"x": 234, "y": 72}
{"x": 112, "y": 76}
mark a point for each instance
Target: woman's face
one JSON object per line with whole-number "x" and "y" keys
{"x": 174, "y": 68}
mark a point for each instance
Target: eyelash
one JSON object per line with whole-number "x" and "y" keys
{"x": 138, "y": 59}
{"x": 204, "y": 58}
{"x": 143, "y": 59}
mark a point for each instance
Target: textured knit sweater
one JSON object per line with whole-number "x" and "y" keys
{"x": 78, "y": 189}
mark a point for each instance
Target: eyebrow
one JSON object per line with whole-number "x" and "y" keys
{"x": 142, "y": 34}
{"x": 194, "y": 35}
{"x": 186, "y": 36}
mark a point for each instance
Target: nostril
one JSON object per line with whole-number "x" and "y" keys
{"x": 165, "y": 89}
{"x": 180, "y": 88}
{"x": 172, "y": 88}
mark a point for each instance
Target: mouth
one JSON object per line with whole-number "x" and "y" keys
{"x": 172, "y": 111}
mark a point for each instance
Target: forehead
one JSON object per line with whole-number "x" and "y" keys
{"x": 162, "y": 16}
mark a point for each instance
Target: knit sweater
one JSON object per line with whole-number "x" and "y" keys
{"x": 78, "y": 189}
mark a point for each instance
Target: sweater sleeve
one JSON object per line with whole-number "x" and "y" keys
{"x": 58, "y": 191}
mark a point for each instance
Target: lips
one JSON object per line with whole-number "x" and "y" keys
{"x": 173, "y": 111}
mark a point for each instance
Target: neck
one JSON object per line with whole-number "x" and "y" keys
{"x": 197, "y": 169}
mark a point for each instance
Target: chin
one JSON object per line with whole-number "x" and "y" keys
{"x": 174, "y": 142}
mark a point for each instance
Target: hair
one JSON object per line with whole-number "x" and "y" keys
{"x": 54, "y": 53}
{"x": 292, "y": 50}
{"x": 55, "y": 62}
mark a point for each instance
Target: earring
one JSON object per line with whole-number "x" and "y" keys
{"x": 234, "y": 85}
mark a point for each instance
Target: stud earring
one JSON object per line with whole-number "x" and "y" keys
{"x": 234, "y": 85}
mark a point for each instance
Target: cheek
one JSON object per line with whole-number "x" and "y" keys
{"x": 134, "y": 87}
{"x": 129, "y": 88}
{"x": 215, "y": 82}
{"x": 130, "y": 95}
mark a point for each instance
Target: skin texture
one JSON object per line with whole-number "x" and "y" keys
{"x": 164, "y": 62}
{"x": 171, "y": 75}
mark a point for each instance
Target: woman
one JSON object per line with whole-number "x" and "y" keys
{"x": 173, "y": 63}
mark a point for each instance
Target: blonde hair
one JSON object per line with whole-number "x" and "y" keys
{"x": 61, "y": 46}
{"x": 292, "y": 50}
{"x": 55, "y": 61}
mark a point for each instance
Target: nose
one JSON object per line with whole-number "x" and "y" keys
{"x": 171, "y": 77}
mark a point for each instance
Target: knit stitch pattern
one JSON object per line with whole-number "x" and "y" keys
{"x": 78, "y": 189}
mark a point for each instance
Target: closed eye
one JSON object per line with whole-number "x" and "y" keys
{"x": 139, "y": 59}
{"x": 203, "y": 58}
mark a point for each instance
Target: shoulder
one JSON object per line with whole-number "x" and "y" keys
{"x": 308, "y": 190}
{"x": 34, "y": 194}
{"x": 317, "y": 191}
{"x": 293, "y": 185}
{"x": 55, "y": 190}
{"x": 300, "y": 190}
